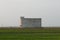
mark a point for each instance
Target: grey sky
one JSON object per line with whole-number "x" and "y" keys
{"x": 48, "y": 10}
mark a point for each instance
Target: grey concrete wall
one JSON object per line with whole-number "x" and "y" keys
{"x": 30, "y": 22}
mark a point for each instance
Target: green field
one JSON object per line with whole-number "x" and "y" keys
{"x": 29, "y": 33}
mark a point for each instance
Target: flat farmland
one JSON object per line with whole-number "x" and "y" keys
{"x": 29, "y": 33}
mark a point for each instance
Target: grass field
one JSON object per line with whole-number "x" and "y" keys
{"x": 29, "y": 33}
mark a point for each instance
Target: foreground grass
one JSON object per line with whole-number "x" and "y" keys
{"x": 30, "y": 34}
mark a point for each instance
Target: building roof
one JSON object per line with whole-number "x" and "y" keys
{"x": 31, "y": 18}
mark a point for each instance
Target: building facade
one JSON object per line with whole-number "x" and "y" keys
{"x": 30, "y": 22}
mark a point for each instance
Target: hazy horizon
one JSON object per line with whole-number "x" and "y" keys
{"x": 12, "y": 10}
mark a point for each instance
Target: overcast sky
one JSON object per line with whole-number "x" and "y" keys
{"x": 11, "y": 10}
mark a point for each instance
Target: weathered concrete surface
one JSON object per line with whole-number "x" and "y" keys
{"x": 30, "y": 22}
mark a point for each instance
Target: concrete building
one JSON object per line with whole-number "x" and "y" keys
{"x": 30, "y": 22}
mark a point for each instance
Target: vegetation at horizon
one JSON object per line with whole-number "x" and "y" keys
{"x": 29, "y": 33}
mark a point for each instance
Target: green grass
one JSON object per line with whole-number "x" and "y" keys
{"x": 30, "y": 34}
